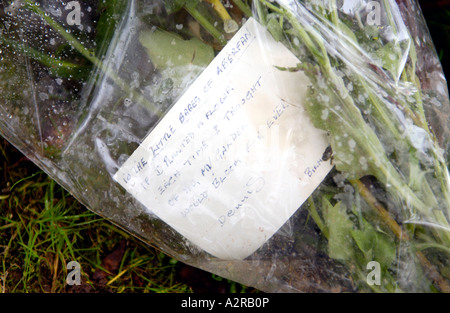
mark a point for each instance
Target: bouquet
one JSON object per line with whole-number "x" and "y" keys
{"x": 136, "y": 108}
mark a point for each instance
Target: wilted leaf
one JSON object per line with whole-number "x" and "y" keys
{"x": 340, "y": 245}
{"x": 275, "y": 29}
{"x": 167, "y": 49}
{"x": 391, "y": 58}
{"x": 375, "y": 245}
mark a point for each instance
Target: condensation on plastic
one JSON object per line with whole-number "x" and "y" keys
{"x": 81, "y": 129}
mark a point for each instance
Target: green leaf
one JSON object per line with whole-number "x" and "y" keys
{"x": 384, "y": 250}
{"x": 391, "y": 58}
{"x": 364, "y": 241}
{"x": 345, "y": 134}
{"x": 375, "y": 245}
{"x": 111, "y": 11}
{"x": 192, "y": 3}
{"x": 340, "y": 244}
{"x": 167, "y": 49}
{"x": 173, "y": 6}
{"x": 346, "y": 32}
{"x": 275, "y": 29}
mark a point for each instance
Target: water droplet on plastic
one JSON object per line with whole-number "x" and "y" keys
{"x": 166, "y": 86}
{"x": 43, "y": 96}
{"x": 352, "y": 144}
{"x": 127, "y": 102}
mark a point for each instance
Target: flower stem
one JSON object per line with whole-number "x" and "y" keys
{"x": 58, "y": 67}
{"x": 193, "y": 11}
{"x": 91, "y": 57}
{"x": 243, "y": 7}
{"x": 316, "y": 217}
{"x": 401, "y": 235}
{"x": 230, "y": 25}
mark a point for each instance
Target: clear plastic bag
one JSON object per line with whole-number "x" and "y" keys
{"x": 84, "y": 84}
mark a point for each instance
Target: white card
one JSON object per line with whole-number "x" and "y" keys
{"x": 237, "y": 155}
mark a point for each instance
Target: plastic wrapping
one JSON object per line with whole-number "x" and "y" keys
{"x": 94, "y": 90}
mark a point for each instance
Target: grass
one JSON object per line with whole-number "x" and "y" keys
{"x": 42, "y": 228}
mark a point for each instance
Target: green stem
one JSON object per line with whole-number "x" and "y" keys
{"x": 368, "y": 141}
{"x": 243, "y": 7}
{"x": 360, "y": 130}
{"x": 64, "y": 33}
{"x": 316, "y": 217}
{"x": 334, "y": 12}
{"x": 433, "y": 245}
{"x": 57, "y": 67}
{"x": 261, "y": 12}
{"x": 400, "y": 234}
{"x": 390, "y": 17}
{"x": 302, "y": 33}
{"x": 91, "y": 57}
{"x": 418, "y": 115}
{"x": 206, "y": 24}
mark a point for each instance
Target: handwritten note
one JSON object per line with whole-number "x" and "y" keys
{"x": 236, "y": 156}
